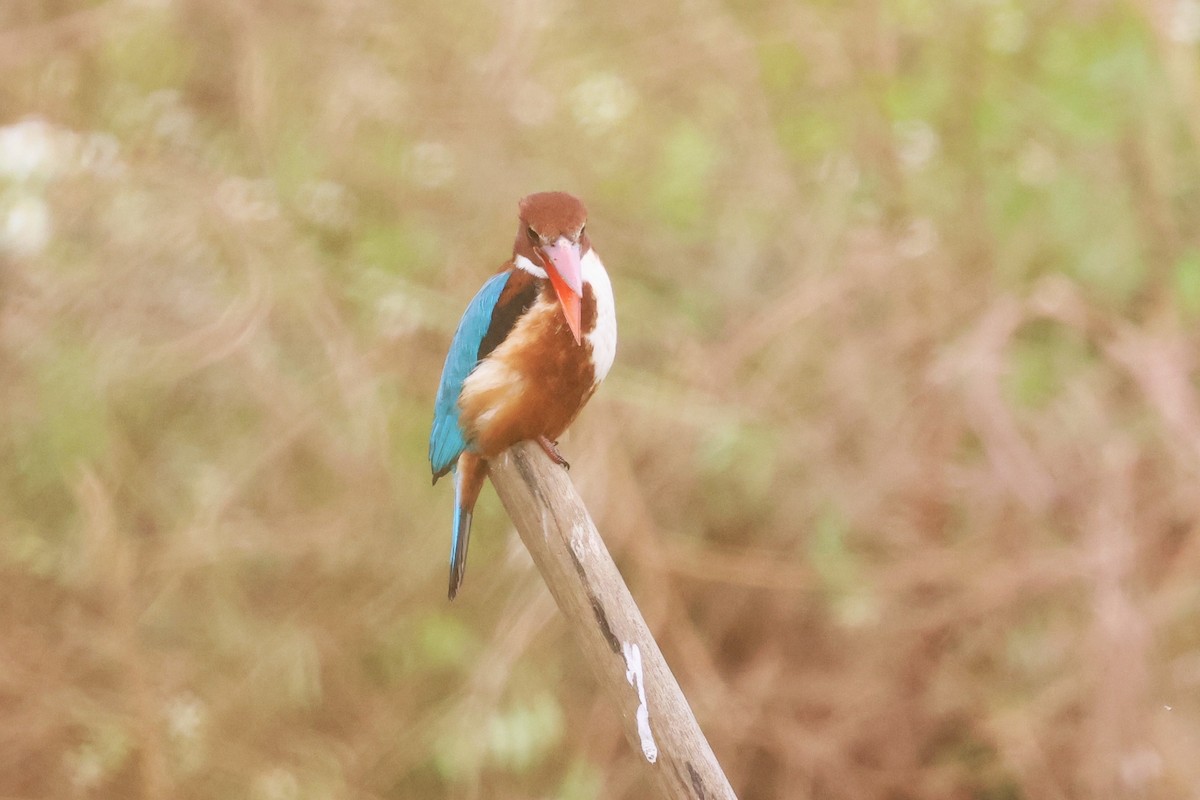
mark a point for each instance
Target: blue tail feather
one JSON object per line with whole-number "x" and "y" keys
{"x": 462, "y": 537}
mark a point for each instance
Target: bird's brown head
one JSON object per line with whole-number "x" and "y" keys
{"x": 552, "y": 236}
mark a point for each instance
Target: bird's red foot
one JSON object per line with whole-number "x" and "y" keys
{"x": 551, "y": 449}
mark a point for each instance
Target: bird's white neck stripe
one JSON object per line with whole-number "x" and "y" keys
{"x": 603, "y": 336}
{"x": 533, "y": 269}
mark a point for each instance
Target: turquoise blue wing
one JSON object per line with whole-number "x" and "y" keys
{"x": 447, "y": 440}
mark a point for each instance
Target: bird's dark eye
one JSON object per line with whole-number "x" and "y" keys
{"x": 533, "y": 235}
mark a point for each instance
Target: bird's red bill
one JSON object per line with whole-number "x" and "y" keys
{"x": 572, "y": 309}
{"x": 562, "y": 266}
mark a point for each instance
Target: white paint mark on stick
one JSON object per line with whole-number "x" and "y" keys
{"x": 579, "y": 541}
{"x": 633, "y": 674}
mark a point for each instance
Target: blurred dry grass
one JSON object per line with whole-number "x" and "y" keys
{"x": 900, "y": 453}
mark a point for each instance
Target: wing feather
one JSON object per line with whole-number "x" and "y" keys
{"x": 447, "y": 441}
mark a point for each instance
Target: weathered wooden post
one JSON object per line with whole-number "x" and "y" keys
{"x": 568, "y": 551}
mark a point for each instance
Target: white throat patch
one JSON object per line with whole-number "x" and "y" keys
{"x": 525, "y": 264}
{"x": 603, "y": 337}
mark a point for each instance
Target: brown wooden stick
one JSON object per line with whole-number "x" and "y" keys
{"x": 568, "y": 551}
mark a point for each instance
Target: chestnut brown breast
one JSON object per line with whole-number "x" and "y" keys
{"x": 532, "y": 384}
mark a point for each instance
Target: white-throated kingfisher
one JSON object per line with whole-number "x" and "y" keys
{"x": 530, "y": 350}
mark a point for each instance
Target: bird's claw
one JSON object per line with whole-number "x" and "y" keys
{"x": 551, "y": 449}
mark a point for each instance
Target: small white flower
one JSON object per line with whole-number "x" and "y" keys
{"x": 1036, "y": 164}
{"x": 86, "y": 768}
{"x": 277, "y": 784}
{"x": 1184, "y": 25}
{"x": 28, "y": 150}
{"x": 602, "y": 101}
{"x": 857, "y": 610}
{"x": 430, "y": 164}
{"x": 25, "y": 228}
{"x": 326, "y": 203}
{"x": 185, "y": 717}
{"x": 916, "y": 143}
{"x": 397, "y": 314}
{"x": 99, "y": 154}
{"x": 170, "y": 120}
{"x": 919, "y": 238}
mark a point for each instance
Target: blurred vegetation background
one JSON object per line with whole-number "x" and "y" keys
{"x": 899, "y": 455}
